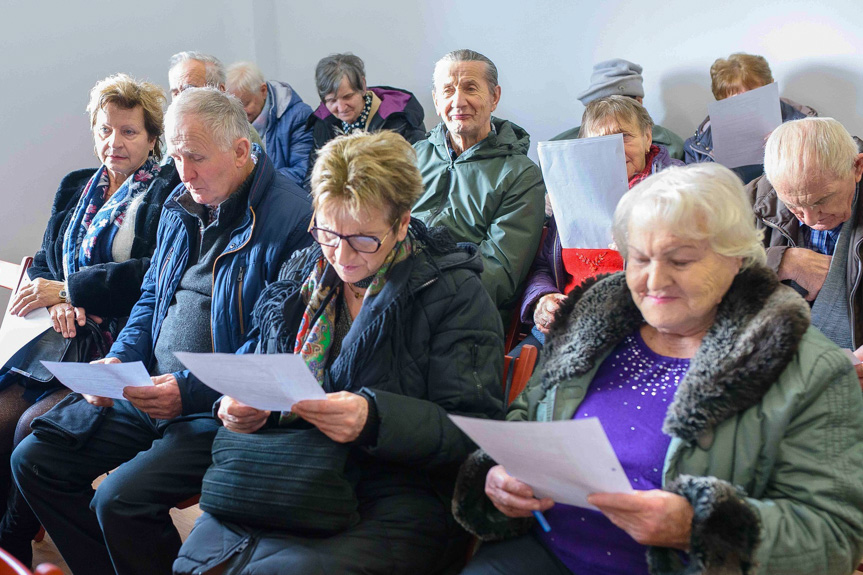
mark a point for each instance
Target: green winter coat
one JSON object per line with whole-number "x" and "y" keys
{"x": 766, "y": 427}
{"x": 661, "y": 135}
{"x": 491, "y": 195}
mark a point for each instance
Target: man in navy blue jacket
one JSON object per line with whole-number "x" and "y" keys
{"x": 223, "y": 235}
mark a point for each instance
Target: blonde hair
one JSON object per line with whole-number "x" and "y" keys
{"x": 365, "y": 171}
{"x": 740, "y": 70}
{"x": 127, "y": 93}
{"x": 611, "y": 113}
{"x": 807, "y": 148}
{"x": 698, "y": 202}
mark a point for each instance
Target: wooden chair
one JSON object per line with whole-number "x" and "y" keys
{"x": 522, "y": 368}
{"x": 11, "y": 566}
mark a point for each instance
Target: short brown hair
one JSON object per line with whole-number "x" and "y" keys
{"x": 612, "y": 112}
{"x": 127, "y": 93}
{"x": 739, "y": 70}
{"x": 365, "y": 171}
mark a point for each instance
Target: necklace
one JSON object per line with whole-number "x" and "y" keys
{"x": 357, "y": 295}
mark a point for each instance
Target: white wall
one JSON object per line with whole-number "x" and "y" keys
{"x": 54, "y": 52}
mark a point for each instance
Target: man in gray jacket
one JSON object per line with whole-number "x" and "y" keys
{"x": 807, "y": 204}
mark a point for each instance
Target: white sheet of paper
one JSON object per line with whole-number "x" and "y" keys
{"x": 564, "y": 460}
{"x": 585, "y": 179}
{"x": 102, "y": 379}
{"x": 741, "y": 125}
{"x": 264, "y": 381}
{"x": 16, "y": 332}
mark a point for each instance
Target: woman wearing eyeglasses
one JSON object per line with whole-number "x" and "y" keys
{"x": 392, "y": 320}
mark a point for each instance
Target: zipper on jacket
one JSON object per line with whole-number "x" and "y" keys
{"x": 216, "y": 262}
{"x": 165, "y": 265}
{"x": 557, "y": 247}
{"x": 222, "y": 558}
{"x": 445, "y": 195}
{"x": 240, "y": 298}
{"x": 853, "y": 294}
{"x": 780, "y": 230}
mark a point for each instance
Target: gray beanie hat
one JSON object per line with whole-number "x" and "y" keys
{"x": 616, "y": 76}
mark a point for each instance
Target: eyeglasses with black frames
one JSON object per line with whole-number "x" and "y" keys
{"x": 358, "y": 242}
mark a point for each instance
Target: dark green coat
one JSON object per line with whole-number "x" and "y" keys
{"x": 492, "y": 195}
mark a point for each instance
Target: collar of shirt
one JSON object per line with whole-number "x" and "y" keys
{"x": 260, "y": 123}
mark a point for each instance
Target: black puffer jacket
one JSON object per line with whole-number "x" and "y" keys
{"x": 110, "y": 289}
{"x": 430, "y": 343}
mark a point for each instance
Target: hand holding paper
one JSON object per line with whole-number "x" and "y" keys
{"x": 100, "y": 379}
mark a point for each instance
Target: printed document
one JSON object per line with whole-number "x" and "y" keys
{"x": 102, "y": 379}
{"x": 741, "y": 125}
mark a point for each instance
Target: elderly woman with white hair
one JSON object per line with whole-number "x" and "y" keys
{"x": 739, "y": 425}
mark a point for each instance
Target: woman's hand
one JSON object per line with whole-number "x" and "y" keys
{"x": 341, "y": 416}
{"x": 512, "y": 497}
{"x": 239, "y": 417}
{"x": 545, "y": 309}
{"x": 653, "y": 517}
{"x": 65, "y": 318}
{"x": 36, "y": 294}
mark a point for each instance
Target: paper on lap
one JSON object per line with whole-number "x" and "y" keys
{"x": 564, "y": 460}
{"x": 585, "y": 179}
{"x": 741, "y": 125}
{"x": 102, "y": 379}
{"x": 16, "y": 332}
{"x": 273, "y": 382}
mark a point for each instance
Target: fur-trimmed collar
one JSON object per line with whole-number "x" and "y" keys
{"x": 757, "y": 329}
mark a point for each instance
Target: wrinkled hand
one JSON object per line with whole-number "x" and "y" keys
{"x": 36, "y": 294}
{"x": 546, "y": 307}
{"x": 239, "y": 417}
{"x": 807, "y": 268}
{"x": 512, "y": 497}
{"x": 95, "y": 399}
{"x": 653, "y": 517}
{"x": 65, "y": 318}
{"x": 341, "y": 416}
{"x": 161, "y": 401}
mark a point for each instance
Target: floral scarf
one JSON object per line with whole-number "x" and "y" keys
{"x": 96, "y": 220}
{"x": 315, "y": 334}
{"x": 648, "y": 166}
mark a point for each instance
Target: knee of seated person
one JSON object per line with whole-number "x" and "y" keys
{"x": 25, "y": 461}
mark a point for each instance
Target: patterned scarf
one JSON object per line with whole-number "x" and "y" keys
{"x": 96, "y": 219}
{"x": 360, "y": 124}
{"x": 315, "y": 334}
{"x": 648, "y": 166}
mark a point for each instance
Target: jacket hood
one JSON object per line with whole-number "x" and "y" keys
{"x": 508, "y": 139}
{"x": 758, "y": 327}
{"x": 283, "y": 98}
{"x": 664, "y": 160}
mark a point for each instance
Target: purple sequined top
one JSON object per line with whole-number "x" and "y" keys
{"x": 630, "y": 395}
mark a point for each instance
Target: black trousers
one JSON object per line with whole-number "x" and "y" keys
{"x": 525, "y": 554}
{"x": 126, "y": 527}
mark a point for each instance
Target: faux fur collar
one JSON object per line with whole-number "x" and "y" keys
{"x": 758, "y": 327}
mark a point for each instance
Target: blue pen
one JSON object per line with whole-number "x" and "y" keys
{"x": 543, "y": 522}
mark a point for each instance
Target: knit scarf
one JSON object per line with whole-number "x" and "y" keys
{"x": 648, "y": 166}
{"x": 320, "y": 293}
{"x": 360, "y": 124}
{"x": 96, "y": 219}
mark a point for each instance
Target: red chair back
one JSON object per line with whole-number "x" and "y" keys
{"x": 522, "y": 367}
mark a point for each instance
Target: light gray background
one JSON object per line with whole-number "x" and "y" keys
{"x": 54, "y": 52}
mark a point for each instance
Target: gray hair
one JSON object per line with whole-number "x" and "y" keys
{"x": 699, "y": 202}
{"x": 611, "y": 113}
{"x": 215, "y": 74}
{"x": 465, "y": 55}
{"x": 221, "y": 113}
{"x": 330, "y": 71}
{"x": 809, "y": 147}
{"x": 244, "y": 77}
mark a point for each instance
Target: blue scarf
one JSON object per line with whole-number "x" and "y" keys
{"x": 95, "y": 221}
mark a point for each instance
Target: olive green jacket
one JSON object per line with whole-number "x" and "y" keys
{"x": 661, "y": 135}
{"x": 766, "y": 427}
{"x": 491, "y": 195}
